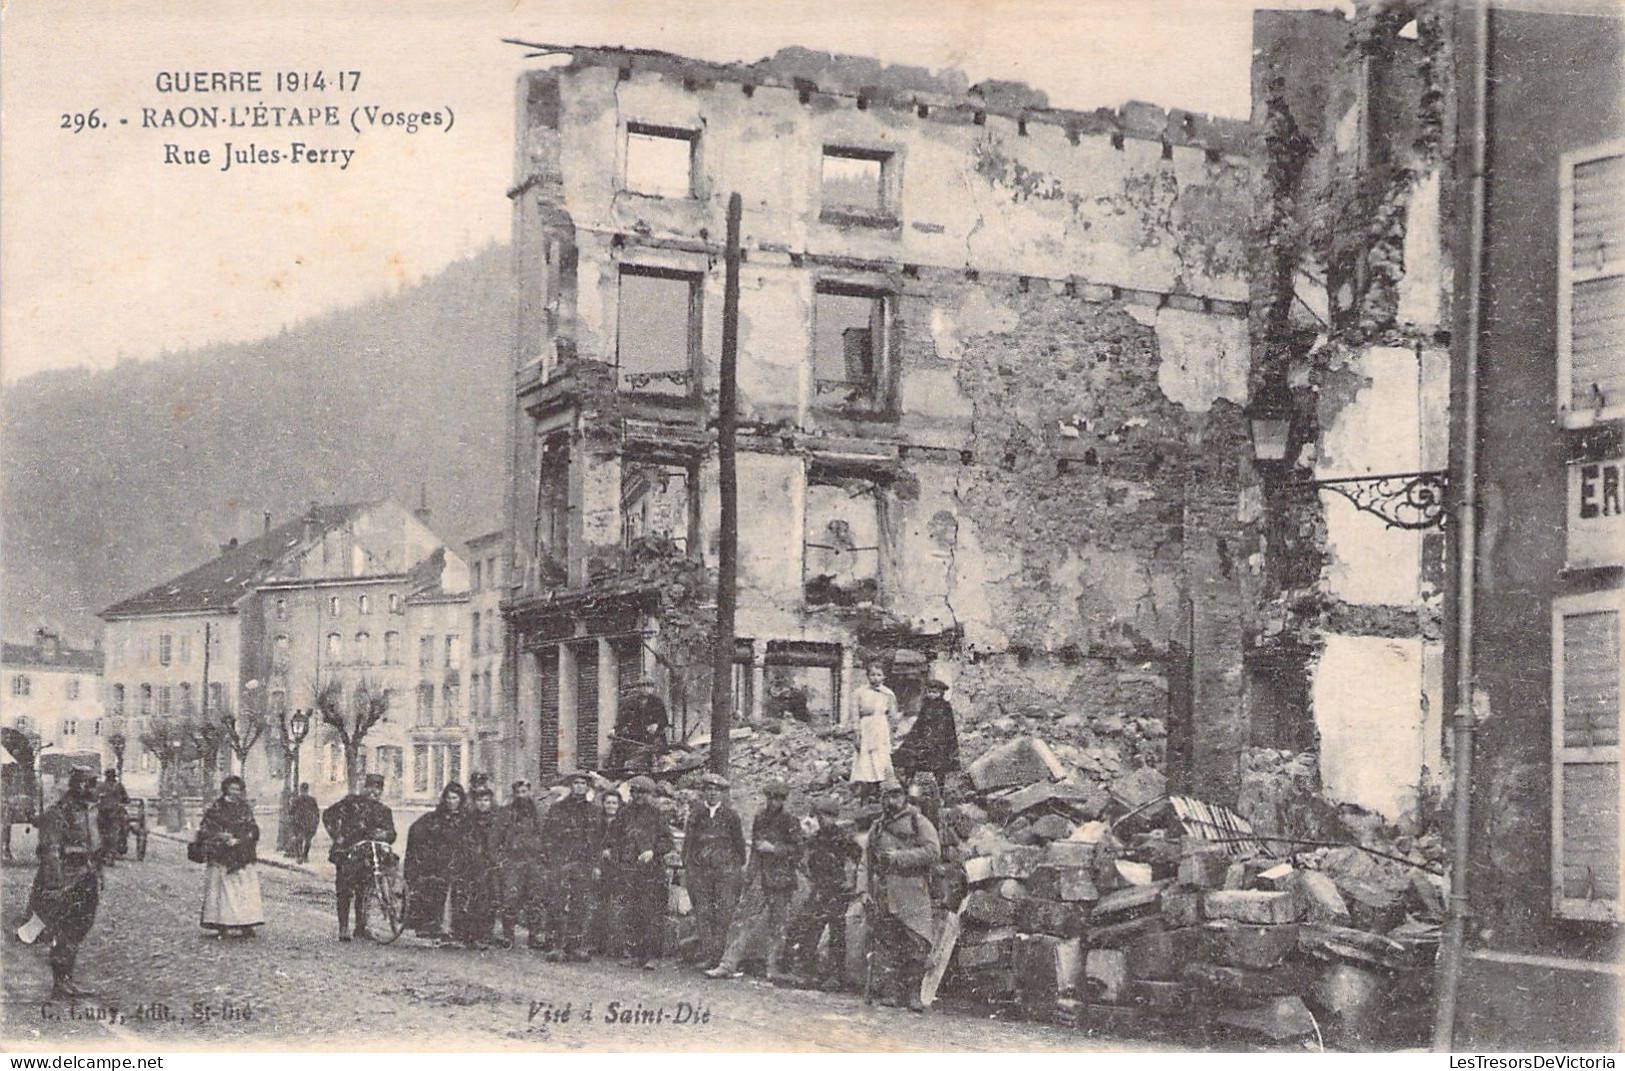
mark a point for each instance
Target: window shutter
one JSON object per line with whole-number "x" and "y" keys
{"x": 1586, "y": 674}
{"x": 1591, "y": 286}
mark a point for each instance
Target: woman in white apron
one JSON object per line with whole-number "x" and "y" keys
{"x": 231, "y": 885}
{"x": 876, "y": 707}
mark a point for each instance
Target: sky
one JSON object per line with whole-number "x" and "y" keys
{"x": 110, "y": 252}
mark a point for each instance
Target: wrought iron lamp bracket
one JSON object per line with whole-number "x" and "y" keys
{"x": 1409, "y": 500}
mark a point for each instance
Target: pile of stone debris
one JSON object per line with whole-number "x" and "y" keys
{"x": 1121, "y": 908}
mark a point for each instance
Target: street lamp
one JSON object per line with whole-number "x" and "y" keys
{"x": 298, "y": 727}
{"x": 1408, "y": 500}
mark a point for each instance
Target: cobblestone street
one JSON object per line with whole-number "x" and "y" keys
{"x": 295, "y": 986}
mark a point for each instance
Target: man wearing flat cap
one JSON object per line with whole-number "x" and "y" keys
{"x": 358, "y": 817}
{"x": 571, "y": 834}
{"x": 522, "y": 845}
{"x": 713, "y": 856}
{"x": 643, "y": 842}
{"x": 640, "y": 729}
{"x": 775, "y": 849}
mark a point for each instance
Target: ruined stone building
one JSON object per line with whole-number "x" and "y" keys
{"x": 1352, "y": 304}
{"x": 993, "y": 360}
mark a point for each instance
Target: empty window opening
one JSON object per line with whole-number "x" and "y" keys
{"x": 853, "y": 183}
{"x": 802, "y": 681}
{"x": 657, "y": 503}
{"x": 849, "y": 347}
{"x": 656, "y": 331}
{"x": 552, "y": 531}
{"x": 659, "y": 161}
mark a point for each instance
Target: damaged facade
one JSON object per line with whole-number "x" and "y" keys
{"x": 1352, "y": 299}
{"x": 1372, "y": 282}
{"x": 993, "y": 358}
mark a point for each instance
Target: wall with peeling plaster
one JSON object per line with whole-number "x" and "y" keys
{"x": 1068, "y": 325}
{"x": 1351, "y": 313}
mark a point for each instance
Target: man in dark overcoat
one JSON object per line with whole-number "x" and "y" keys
{"x": 112, "y": 816}
{"x": 713, "y": 858}
{"x": 357, "y": 817}
{"x": 642, "y": 843}
{"x": 67, "y": 886}
{"x": 306, "y": 815}
{"x": 571, "y": 832}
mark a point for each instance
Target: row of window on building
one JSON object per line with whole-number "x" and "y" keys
{"x": 857, "y": 183}
{"x": 843, "y": 525}
{"x": 165, "y": 649}
{"x": 433, "y": 766}
{"x": 361, "y": 650}
{"x": 22, "y": 686}
{"x": 163, "y": 699}
{"x": 69, "y": 726}
{"x": 658, "y": 338}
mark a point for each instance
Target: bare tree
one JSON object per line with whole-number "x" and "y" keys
{"x": 243, "y": 731}
{"x": 174, "y": 741}
{"x": 370, "y": 706}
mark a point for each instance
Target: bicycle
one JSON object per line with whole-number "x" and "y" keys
{"x": 385, "y": 889}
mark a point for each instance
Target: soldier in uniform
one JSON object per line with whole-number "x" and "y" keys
{"x": 713, "y": 855}
{"x": 68, "y": 883}
{"x": 112, "y": 816}
{"x": 571, "y": 834}
{"x": 831, "y": 855}
{"x": 901, "y": 853}
{"x": 643, "y": 842}
{"x": 357, "y": 817}
{"x": 775, "y": 849}
{"x": 520, "y": 840}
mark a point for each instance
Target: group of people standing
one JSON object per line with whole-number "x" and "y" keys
{"x": 581, "y": 875}
{"x": 578, "y": 876}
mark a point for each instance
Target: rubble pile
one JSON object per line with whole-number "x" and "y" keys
{"x": 1116, "y": 906}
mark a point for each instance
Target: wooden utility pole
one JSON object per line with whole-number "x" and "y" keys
{"x": 722, "y": 650}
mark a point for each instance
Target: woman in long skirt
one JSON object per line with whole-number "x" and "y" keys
{"x": 877, "y": 708}
{"x": 231, "y": 884}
